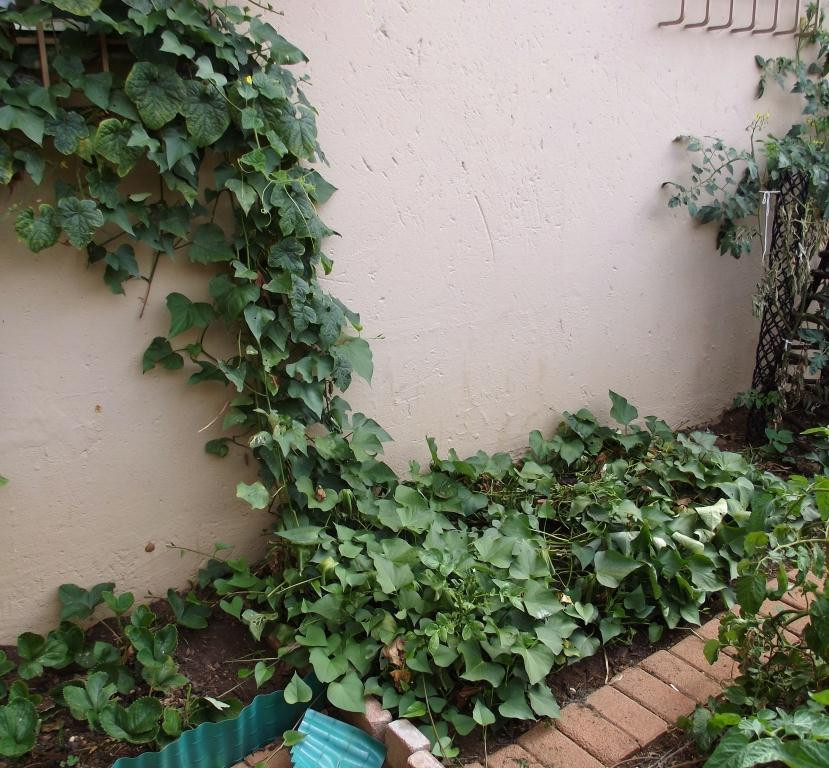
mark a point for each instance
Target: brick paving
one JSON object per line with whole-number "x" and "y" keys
{"x": 638, "y": 706}
{"x": 636, "y": 721}
{"x": 649, "y": 691}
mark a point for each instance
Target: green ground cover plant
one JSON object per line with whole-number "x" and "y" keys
{"x": 776, "y": 710}
{"x": 451, "y": 594}
{"x": 121, "y": 686}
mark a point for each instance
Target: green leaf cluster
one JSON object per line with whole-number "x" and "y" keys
{"x": 486, "y": 574}
{"x": 99, "y": 677}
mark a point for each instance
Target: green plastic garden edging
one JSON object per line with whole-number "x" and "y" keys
{"x": 219, "y": 745}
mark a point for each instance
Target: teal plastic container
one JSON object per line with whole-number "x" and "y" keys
{"x": 328, "y": 743}
{"x": 220, "y": 745}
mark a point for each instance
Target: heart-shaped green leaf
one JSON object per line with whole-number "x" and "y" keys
{"x": 80, "y": 219}
{"x": 205, "y": 112}
{"x": 157, "y": 92}
{"x": 297, "y": 690}
{"x": 67, "y": 130}
{"x": 37, "y": 231}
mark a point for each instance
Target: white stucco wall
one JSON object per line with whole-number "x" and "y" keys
{"x": 503, "y": 235}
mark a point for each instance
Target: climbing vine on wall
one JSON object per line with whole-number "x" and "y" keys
{"x": 174, "y": 129}
{"x": 156, "y": 129}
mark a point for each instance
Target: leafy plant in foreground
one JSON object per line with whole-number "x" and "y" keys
{"x": 775, "y": 709}
{"x": 453, "y": 595}
{"x": 100, "y": 685}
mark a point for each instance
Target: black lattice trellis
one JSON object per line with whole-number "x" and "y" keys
{"x": 779, "y": 310}
{"x": 793, "y": 304}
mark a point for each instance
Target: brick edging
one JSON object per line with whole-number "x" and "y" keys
{"x": 637, "y": 707}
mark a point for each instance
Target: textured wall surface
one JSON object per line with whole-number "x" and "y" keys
{"x": 503, "y": 234}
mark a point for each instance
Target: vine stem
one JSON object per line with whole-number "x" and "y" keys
{"x": 149, "y": 284}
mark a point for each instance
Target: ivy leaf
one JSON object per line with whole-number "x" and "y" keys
{"x": 205, "y": 113}
{"x": 543, "y": 702}
{"x": 254, "y": 494}
{"x": 156, "y": 91}
{"x": 25, "y": 121}
{"x": 262, "y": 673}
{"x": 160, "y": 352}
{"x": 570, "y": 450}
{"x": 300, "y": 132}
{"x": 230, "y": 297}
{"x": 297, "y": 691}
{"x": 622, "y": 411}
{"x": 38, "y": 232}
{"x": 185, "y": 314}
{"x": 283, "y": 51}
{"x": 244, "y": 193}
{"x": 67, "y": 130}
{"x": 258, "y": 318}
{"x": 514, "y": 705}
{"x": 347, "y": 694}
{"x": 476, "y": 668}
{"x": 112, "y": 143}
{"x": 171, "y": 44}
{"x": 77, "y": 7}
{"x": 612, "y": 567}
{"x": 79, "y": 219}
{"x": 19, "y": 726}
{"x": 121, "y": 266}
{"x": 235, "y": 376}
{"x": 137, "y": 724}
{"x": 210, "y": 245}
{"x": 538, "y": 661}
{"x": 327, "y": 668}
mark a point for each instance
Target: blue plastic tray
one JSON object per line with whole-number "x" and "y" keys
{"x": 328, "y": 743}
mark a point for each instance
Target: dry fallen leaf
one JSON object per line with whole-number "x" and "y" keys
{"x": 396, "y": 652}
{"x": 402, "y": 678}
